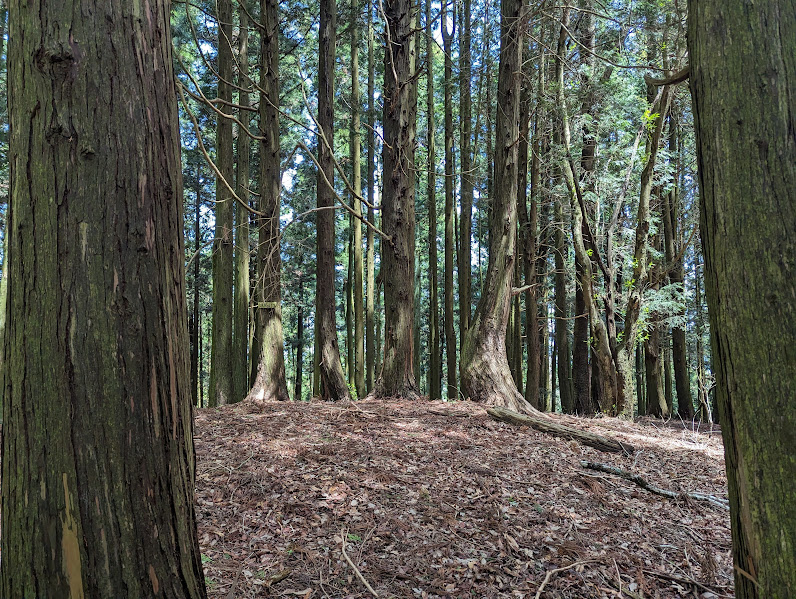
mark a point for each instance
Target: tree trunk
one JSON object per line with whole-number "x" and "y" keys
{"x": 643, "y": 408}
{"x": 530, "y": 243}
{"x": 465, "y": 161}
{"x": 653, "y": 369}
{"x": 450, "y": 330}
{"x": 348, "y": 291}
{"x": 222, "y": 389}
{"x": 270, "y": 379}
{"x": 332, "y": 380}
{"x": 356, "y": 181}
{"x": 435, "y": 375}
{"x": 370, "y": 259}
{"x": 581, "y": 329}
{"x": 98, "y": 456}
{"x": 242, "y": 253}
{"x": 562, "y": 334}
{"x": 195, "y": 316}
{"x": 299, "y": 349}
{"x": 743, "y": 73}
{"x": 682, "y": 381}
{"x": 486, "y": 376}
{"x": 398, "y": 204}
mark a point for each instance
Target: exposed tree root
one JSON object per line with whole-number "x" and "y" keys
{"x": 642, "y": 482}
{"x": 543, "y": 423}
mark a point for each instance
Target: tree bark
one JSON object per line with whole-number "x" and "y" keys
{"x": 397, "y": 377}
{"x": 268, "y": 355}
{"x": 222, "y": 389}
{"x": 465, "y": 161}
{"x": 98, "y": 458}
{"x": 435, "y": 375}
{"x": 332, "y": 380}
{"x": 450, "y": 330}
{"x": 743, "y": 73}
{"x": 242, "y": 253}
{"x": 370, "y": 258}
{"x": 195, "y": 316}
{"x": 356, "y": 181}
{"x": 486, "y": 376}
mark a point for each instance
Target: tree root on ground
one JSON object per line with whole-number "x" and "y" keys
{"x": 546, "y": 424}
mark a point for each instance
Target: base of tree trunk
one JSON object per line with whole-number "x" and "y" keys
{"x": 546, "y": 424}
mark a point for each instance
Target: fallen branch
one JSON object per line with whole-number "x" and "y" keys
{"x": 343, "y": 535}
{"x": 682, "y": 580}
{"x": 545, "y": 424}
{"x": 642, "y": 482}
{"x": 550, "y": 573}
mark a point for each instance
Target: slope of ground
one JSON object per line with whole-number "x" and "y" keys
{"x": 437, "y": 500}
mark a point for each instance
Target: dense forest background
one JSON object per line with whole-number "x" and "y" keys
{"x": 604, "y": 51}
{"x": 586, "y": 62}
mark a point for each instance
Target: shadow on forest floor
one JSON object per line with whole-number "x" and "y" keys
{"x": 436, "y": 500}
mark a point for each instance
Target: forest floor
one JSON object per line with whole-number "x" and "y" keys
{"x": 422, "y": 499}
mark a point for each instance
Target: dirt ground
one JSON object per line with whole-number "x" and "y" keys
{"x": 427, "y": 500}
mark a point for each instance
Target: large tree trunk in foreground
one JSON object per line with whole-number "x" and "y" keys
{"x": 268, "y": 353}
{"x": 98, "y": 456}
{"x": 743, "y": 76}
{"x": 486, "y": 376}
{"x": 332, "y": 380}
{"x": 398, "y": 204}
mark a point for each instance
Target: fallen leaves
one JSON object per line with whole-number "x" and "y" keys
{"x": 436, "y": 500}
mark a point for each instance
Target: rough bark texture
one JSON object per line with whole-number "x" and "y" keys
{"x": 397, "y": 377}
{"x": 450, "y": 329}
{"x": 332, "y": 380}
{"x": 743, "y": 76}
{"x": 98, "y": 458}
{"x": 268, "y": 355}
{"x": 242, "y": 253}
{"x": 486, "y": 376}
{"x": 435, "y": 359}
{"x": 221, "y": 352}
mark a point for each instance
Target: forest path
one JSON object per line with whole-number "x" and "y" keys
{"x": 437, "y": 500}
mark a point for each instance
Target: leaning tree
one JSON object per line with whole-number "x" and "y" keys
{"x": 98, "y": 456}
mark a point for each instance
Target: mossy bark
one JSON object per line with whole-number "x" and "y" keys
{"x": 743, "y": 76}
{"x": 98, "y": 457}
